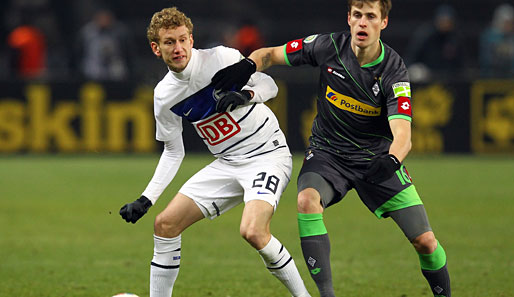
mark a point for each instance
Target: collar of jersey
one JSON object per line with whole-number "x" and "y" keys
{"x": 379, "y": 59}
{"x": 185, "y": 75}
{"x": 346, "y": 69}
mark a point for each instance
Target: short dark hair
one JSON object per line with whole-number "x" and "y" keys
{"x": 385, "y": 5}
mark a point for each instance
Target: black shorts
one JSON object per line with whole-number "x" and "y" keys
{"x": 342, "y": 175}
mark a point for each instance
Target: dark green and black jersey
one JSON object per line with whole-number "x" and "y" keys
{"x": 354, "y": 102}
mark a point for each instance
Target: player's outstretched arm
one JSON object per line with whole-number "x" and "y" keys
{"x": 234, "y": 76}
{"x": 170, "y": 161}
{"x": 267, "y": 57}
{"x": 238, "y": 74}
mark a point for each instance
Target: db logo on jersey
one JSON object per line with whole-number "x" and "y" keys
{"x": 218, "y": 129}
{"x": 404, "y": 106}
{"x": 293, "y": 46}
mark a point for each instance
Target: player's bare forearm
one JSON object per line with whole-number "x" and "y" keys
{"x": 400, "y": 148}
{"x": 262, "y": 58}
{"x": 401, "y": 144}
{"x": 268, "y": 56}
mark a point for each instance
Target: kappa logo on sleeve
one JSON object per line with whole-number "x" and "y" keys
{"x": 293, "y": 46}
{"x": 404, "y": 106}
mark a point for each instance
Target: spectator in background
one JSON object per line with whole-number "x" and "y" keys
{"x": 28, "y": 51}
{"x": 248, "y": 38}
{"x": 497, "y": 44}
{"x": 35, "y": 42}
{"x": 105, "y": 49}
{"x": 436, "y": 49}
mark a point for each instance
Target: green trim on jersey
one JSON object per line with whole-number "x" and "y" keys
{"x": 406, "y": 198}
{"x": 399, "y": 116}
{"x": 311, "y": 224}
{"x": 285, "y": 56}
{"x": 433, "y": 261}
{"x": 363, "y": 133}
{"x": 347, "y": 71}
{"x": 378, "y": 60}
{"x": 349, "y": 140}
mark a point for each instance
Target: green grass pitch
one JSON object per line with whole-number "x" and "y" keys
{"x": 61, "y": 234}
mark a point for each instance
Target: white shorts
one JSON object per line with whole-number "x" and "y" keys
{"x": 219, "y": 186}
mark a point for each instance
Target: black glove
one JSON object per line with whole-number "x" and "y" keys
{"x": 131, "y": 212}
{"x": 381, "y": 169}
{"x": 235, "y": 75}
{"x": 232, "y": 99}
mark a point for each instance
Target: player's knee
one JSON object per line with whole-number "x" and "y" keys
{"x": 425, "y": 243}
{"x": 256, "y": 237}
{"x": 165, "y": 228}
{"x": 309, "y": 201}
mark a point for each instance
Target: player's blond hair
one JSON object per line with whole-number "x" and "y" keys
{"x": 385, "y": 5}
{"x": 168, "y": 18}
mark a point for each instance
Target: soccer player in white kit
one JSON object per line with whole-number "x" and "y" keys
{"x": 253, "y": 163}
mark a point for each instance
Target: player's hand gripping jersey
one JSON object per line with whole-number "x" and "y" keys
{"x": 354, "y": 102}
{"x": 237, "y": 136}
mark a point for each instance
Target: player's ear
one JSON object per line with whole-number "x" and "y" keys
{"x": 385, "y": 21}
{"x": 155, "y": 48}
{"x": 191, "y": 39}
{"x": 348, "y": 20}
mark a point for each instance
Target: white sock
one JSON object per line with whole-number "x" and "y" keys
{"x": 280, "y": 263}
{"x": 165, "y": 265}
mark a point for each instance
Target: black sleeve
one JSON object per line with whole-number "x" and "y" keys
{"x": 310, "y": 50}
{"x": 397, "y": 90}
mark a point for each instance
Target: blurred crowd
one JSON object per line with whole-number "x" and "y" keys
{"x": 40, "y": 44}
{"x": 438, "y": 49}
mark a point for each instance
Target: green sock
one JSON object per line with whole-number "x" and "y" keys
{"x": 434, "y": 269}
{"x": 316, "y": 251}
{"x": 311, "y": 224}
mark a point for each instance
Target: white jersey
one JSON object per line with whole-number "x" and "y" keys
{"x": 249, "y": 133}
{"x": 234, "y": 137}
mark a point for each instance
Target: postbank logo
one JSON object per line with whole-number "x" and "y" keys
{"x": 218, "y": 128}
{"x": 349, "y": 104}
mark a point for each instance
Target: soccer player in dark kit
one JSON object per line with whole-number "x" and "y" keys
{"x": 360, "y": 137}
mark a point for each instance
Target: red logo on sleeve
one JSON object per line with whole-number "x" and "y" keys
{"x": 293, "y": 46}
{"x": 404, "y": 106}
